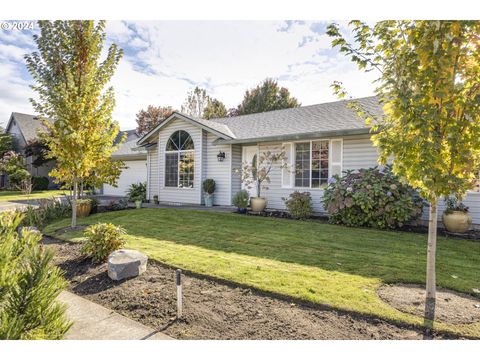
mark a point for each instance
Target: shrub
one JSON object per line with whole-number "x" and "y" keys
{"x": 241, "y": 198}
{"x": 102, "y": 239}
{"x": 209, "y": 186}
{"x": 29, "y": 283}
{"x": 299, "y": 205}
{"x": 47, "y": 211}
{"x": 40, "y": 183}
{"x": 121, "y": 204}
{"x": 137, "y": 191}
{"x": 371, "y": 197}
{"x": 94, "y": 201}
{"x": 21, "y": 180}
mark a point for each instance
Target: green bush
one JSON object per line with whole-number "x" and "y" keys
{"x": 299, "y": 205}
{"x": 29, "y": 285}
{"x": 241, "y": 198}
{"x": 102, "y": 239}
{"x": 40, "y": 183}
{"x": 371, "y": 197}
{"x": 47, "y": 211}
{"x": 209, "y": 186}
{"x": 19, "y": 177}
{"x": 137, "y": 192}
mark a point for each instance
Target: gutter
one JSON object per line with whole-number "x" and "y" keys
{"x": 301, "y": 136}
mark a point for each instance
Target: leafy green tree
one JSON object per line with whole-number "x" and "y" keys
{"x": 148, "y": 119}
{"x": 214, "y": 109}
{"x": 267, "y": 96}
{"x": 6, "y": 142}
{"x": 29, "y": 285}
{"x": 429, "y": 85}
{"x": 70, "y": 82}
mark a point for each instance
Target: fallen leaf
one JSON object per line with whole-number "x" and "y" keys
{"x": 477, "y": 291}
{"x": 454, "y": 276}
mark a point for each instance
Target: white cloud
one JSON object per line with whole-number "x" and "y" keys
{"x": 165, "y": 59}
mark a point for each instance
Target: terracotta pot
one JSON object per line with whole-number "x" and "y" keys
{"x": 457, "y": 221}
{"x": 258, "y": 204}
{"x": 83, "y": 209}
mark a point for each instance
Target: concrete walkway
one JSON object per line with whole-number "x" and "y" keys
{"x": 95, "y": 322}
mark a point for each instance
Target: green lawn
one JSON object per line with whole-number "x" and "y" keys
{"x": 17, "y": 195}
{"x": 314, "y": 261}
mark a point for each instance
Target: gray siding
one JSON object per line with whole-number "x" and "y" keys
{"x": 359, "y": 152}
{"x": 153, "y": 180}
{"x": 176, "y": 195}
{"x": 220, "y": 171}
{"x": 236, "y": 163}
{"x": 472, "y": 200}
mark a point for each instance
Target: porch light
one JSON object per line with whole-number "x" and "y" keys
{"x": 221, "y": 156}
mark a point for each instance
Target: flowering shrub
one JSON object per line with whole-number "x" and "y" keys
{"x": 299, "y": 205}
{"x": 371, "y": 197}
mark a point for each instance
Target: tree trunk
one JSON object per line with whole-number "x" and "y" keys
{"x": 431, "y": 250}
{"x": 74, "y": 202}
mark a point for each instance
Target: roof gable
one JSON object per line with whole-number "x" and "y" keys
{"x": 29, "y": 125}
{"x": 218, "y": 129}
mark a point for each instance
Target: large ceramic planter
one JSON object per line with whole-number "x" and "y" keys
{"x": 258, "y": 204}
{"x": 208, "y": 200}
{"x": 83, "y": 209}
{"x": 138, "y": 204}
{"x": 457, "y": 221}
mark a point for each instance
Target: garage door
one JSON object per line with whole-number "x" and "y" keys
{"x": 135, "y": 173}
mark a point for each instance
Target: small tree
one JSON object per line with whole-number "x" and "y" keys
{"x": 267, "y": 96}
{"x": 257, "y": 173}
{"x": 29, "y": 285}
{"x": 429, "y": 85}
{"x": 154, "y": 115}
{"x": 214, "y": 109}
{"x": 70, "y": 81}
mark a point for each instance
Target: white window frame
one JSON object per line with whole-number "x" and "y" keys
{"x": 293, "y": 156}
{"x": 178, "y": 152}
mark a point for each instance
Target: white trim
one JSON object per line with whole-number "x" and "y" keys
{"x": 286, "y": 167}
{"x": 149, "y": 159}
{"x": 321, "y": 187}
{"x": 230, "y": 177}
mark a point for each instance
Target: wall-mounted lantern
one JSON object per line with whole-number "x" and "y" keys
{"x": 221, "y": 156}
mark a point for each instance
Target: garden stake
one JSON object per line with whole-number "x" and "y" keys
{"x": 178, "y": 281}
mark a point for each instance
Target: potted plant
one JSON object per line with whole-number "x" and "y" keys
{"x": 155, "y": 199}
{"x": 138, "y": 202}
{"x": 240, "y": 200}
{"x": 137, "y": 193}
{"x": 84, "y": 207}
{"x": 257, "y": 175}
{"x": 456, "y": 218}
{"x": 209, "y": 189}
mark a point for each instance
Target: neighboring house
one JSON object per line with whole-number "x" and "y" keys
{"x": 24, "y": 128}
{"x": 135, "y": 161}
{"x": 320, "y": 141}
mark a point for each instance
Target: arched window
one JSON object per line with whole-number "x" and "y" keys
{"x": 179, "y": 160}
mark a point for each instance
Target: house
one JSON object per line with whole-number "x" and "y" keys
{"x": 320, "y": 141}
{"x": 24, "y": 128}
{"x": 135, "y": 161}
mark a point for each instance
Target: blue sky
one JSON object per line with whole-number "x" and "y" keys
{"x": 165, "y": 59}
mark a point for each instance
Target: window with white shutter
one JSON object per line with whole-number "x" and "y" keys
{"x": 336, "y": 157}
{"x": 288, "y": 165}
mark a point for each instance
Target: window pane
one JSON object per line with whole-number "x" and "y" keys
{"x": 171, "y": 169}
{"x": 186, "y": 169}
{"x": 319, "y": 163}
{"x": 302, "y": 164}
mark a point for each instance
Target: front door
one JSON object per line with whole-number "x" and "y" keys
{"x": 250, "y": 154}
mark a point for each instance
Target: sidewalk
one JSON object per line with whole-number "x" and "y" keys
{"x": 95, "y": 322}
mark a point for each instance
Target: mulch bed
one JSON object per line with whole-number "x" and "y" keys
{"x": 214, "y": 309}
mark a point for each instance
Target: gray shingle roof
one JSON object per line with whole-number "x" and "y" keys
{"x": 126, "y": 149}
{"x": 333, "y": 116}
{"x": 28, "y": 124}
